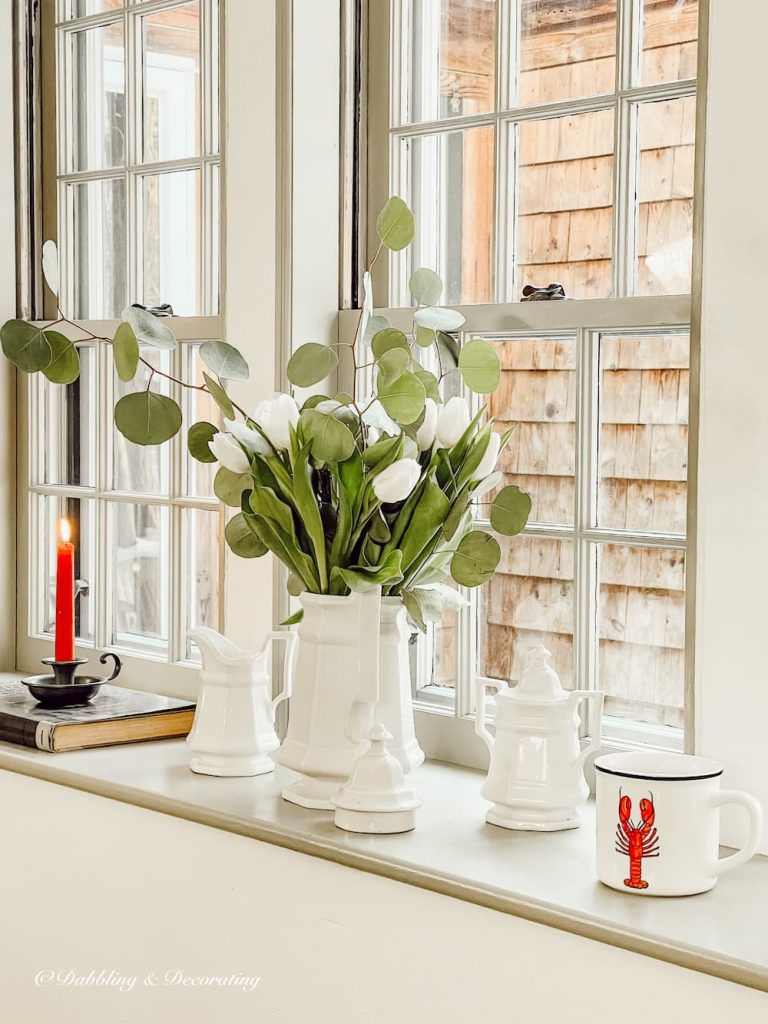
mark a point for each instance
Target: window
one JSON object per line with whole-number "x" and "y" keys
{"x": 132, "y": 197}
{"x": 542, "y": 142}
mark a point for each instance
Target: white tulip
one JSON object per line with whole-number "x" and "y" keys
{"x": 373, "y": 436}
{"x": 452, "y": 421}
{"x": 375, "y": 416}
{"x": 229, "y": 453}
{"x": 397, "y": 481}
{"x": 488, "y": 461}
{"x": 425, "y": 435}
{"x": 274, "y": 415}
{"x": 249, "y": 438}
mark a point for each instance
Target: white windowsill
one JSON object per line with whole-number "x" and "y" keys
{"x": 543, "y": 877}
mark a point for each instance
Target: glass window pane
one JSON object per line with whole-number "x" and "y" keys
{"x": 537, "y": 396}
{"x": 670, "y": 33}
{"x": 563, "y": 231}
{"x": 567, "y": 49}
{"x": 212, "y": 84}
{"x": 450, "y": 190}
{"x": 641, "y": 629}
{"x": 95, "y": 97}
{"x": 140, "y": 583}
{"x": 172, "y": 240}
{"x": 644, "y": 432}
{"x": 452, "y": 58}
{"x": 199, "y": 406}
{"x": 171, "y": 100}
{"x": 67, "y": 452}
{"x": 81, "y": 516}
{"x": 139, "y": 469}
{"x": 95, "y": 265}
{"x": 529, "y": 601}
{"x": 83, "y": 8}
{"x": 201, "y": 560}
{"x": 665, "y": 196}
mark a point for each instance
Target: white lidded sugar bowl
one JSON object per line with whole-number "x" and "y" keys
{"x": 536, "y": 775}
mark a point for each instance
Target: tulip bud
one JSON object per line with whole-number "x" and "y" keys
{"x": 488, "y": 461}
{"x": 425, "y": 435}
{"x": 275, "y": 415}
{"x": 452, "y": 421}
{"x": 249, "y": 438}
{"x": 229, "y": 453}
{"x": 397, "y": 481}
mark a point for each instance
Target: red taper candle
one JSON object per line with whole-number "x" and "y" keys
{"x": 64, "y": 644}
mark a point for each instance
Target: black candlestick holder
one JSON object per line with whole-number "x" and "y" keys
{"x": 66, "y": 689}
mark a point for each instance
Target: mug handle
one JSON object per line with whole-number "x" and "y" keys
{"x": 755, "y": 811}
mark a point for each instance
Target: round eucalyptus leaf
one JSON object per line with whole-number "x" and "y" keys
{"x": 373, "y": 326}
{"x": 330, "y": 439}
{"x": 388, "y": 339}
{"x": 438, "y": 319}
{"x": 295, "y": 585}
{"x": 224, "y": 360}
{"x": 344, "y": 397}
{"x": 431, "y": 385}
{"x": 149, "y": 330}
{"x": 311, "y": 363}
{"x": 448, "y": 348}
{"x": 51, "y": 266}
{"x": 220, "y": 396}
{"x": 229, "y": 487}
{"x": 480, "y": 366}
{"x": 198, "y": 437}
{"x": 395, "y": 225}
{"x": 403, "y": 398}
{"x": 510, "y": 510}
{"x": 145, "y": 417}
{"x": 393, "y": 363}
{"x": 242, "y": 540}
{"x": 475, "y": 559}
{"x": 64, "y": 367}
{"x": 425, "y": 286}
{"x": 425, "y": 336}
{"x": 125, "y": 351}
{"x": 25, "y": 345}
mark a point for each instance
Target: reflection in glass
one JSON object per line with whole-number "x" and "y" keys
{"x": 96, "y": 219}
{"x": 140, "y": 574}
{"x": 670, "y": 34}
{"x": 171, "y": 101}
{"x": 80, "y": 512}
{"x": 95, "y": 97}
{"x": 172, "y": 241}
{"x": 199, "y": 406}
{"x": 138, "y": 469}
{"x": 201, "y": 562}
{"x": 68, "y": 413}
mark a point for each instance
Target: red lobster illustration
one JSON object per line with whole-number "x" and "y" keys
{"x": 636, "y": 841}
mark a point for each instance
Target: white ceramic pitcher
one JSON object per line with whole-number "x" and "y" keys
{"x": 536, "y": 776}
{"x": 234, "y": 728}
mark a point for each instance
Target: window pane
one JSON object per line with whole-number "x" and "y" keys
{"x": 96, "y": 264}
{"x": 137, "y": 469}
{"x": 567, "y": 50}
{"x": 452, "y": 58}
{"x": 140, "y": 599}
{"x": 670, "y": 31}
{"x": 644, "y": 432}
{"x": 67, "y": 450}
{"x": 199, "y": 406}
{"x": 564, "y": 204}
{"x": 82, "y": 8}
{"x": 529, "y": 601}
{"x": 537, "y": 396}
{"x": 81, "y": 516}
{"x": 201, "y": 560}
{"x": 95, "y": 97}
{"x": 450, "y": 190}
{"x": 171, "y": 83}
{"x": 641, "y": 627}
{"x": 665, "y": 196}
{"x": 172, "y": 241}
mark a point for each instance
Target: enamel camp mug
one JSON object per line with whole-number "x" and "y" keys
{"x": 658, "y": 823}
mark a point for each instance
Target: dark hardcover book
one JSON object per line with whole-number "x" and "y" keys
{"x": 115, "y": 715}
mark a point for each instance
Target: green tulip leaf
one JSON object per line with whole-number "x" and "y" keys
{"x": 475, "y": 559}
{"x": 220, "y": 396}
{"x": 294, "y": 619}
{"x": 25, "y": 345}
{"x": 448, "y": 348}
{"x": 510, "y": 510}
{"x": 229, "y": 487}
{"x": 125, "y": 352}
{"x": 403, "y": 398}
{"x": 198, "y": 437}
{"x": 480, "y": 366}
{"x": 395, "y": 225}
{"x": 437, "y": 318}
{"x": 224, "y": 360}
{"x": 425, "y": 286}
{"x": 389, "y": 338}
{"x": 362, "y": 578}
{"x": 241, "y": 539}
{"x": 64, "y": 367}
{"x": 311, "y": 363}
{"x": 437, "y": 599}
{"x": 425, "y": 336}
{"x": 149, "y": 329}
{"x": 393, "y": 364}
{"x": 145, "y": 417}
{"x": 330, "y": 440}
{"x": 413, "y": 608}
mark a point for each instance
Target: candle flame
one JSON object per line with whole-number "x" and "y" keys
{"x": 65, "y": 530}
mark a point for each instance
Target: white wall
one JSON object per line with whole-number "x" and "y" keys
{"x": 92, "y": 884}
{"x": 732, "y": 607}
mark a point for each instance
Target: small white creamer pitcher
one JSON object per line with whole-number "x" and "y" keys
{"x": 234, "y": 728}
